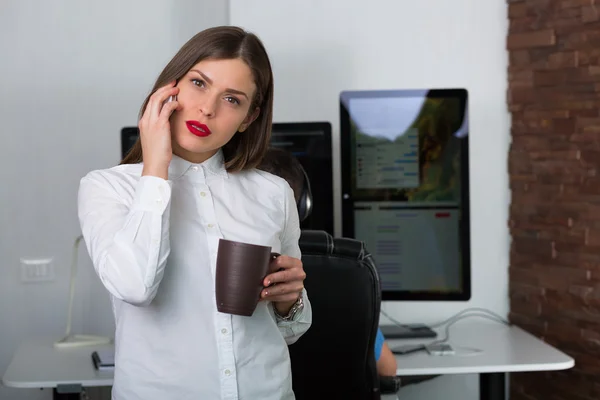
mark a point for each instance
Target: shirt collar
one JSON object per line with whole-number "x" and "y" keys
{"x": 214, "y": 165}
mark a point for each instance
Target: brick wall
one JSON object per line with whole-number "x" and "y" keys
{"x": 554, "y": 99}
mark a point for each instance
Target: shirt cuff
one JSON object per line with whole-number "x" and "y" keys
{"x": 152, "y": 194}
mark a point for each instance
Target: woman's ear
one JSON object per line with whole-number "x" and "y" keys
{"x": 249, "y": 119}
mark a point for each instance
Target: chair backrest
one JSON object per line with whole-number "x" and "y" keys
{"x": 335, "y": 359}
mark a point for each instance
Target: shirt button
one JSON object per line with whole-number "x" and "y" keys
{"x": 223, "y": 331}
{"x": 210, "y": 225}
{"x": 158, "y": 201}
{"x": 194, "y": 168}
{"x": 227, "y": 372}
{"x": 202, "y": 194}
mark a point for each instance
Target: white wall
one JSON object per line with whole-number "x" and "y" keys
{"x": 319, "y": 48}
{"x": 72, "y": 73}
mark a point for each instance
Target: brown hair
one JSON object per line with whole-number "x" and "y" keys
{"x": 245, "y": 150}
{"x": 282, "y": 163}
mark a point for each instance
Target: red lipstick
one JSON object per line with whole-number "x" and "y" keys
{"x": 198, "y": 128}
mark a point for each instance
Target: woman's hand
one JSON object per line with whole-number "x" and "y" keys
{"x": 285, "y": 284}
{"x": 155, "y": 131}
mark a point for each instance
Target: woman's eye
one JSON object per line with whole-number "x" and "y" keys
{"x": 198, "y": 82}
{"x": 232, "y": 100}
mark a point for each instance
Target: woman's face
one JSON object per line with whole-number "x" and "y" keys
{"x": 214, "y": 102}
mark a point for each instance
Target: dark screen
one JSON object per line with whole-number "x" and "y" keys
{"x": 310, "y": 143}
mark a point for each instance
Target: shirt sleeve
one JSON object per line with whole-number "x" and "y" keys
{"x": 128, "y": 243}
{"x": 294, "y": 329}
{"x": 379, "y": 339}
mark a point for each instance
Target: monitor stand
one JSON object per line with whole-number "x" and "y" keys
{"x": 409, "y": 331}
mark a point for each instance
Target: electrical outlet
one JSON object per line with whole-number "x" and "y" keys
{"x": 37, "y": 270}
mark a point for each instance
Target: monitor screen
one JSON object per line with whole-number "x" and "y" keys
{"x": 310, "y": 143}
{"x": 405, "y": 188}
{"x": 129, "y": 136}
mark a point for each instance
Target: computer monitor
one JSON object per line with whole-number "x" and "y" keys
{"x": 405, "y": 188}
{"x": 129, "y": 136}
{"x": 310, "y": 143}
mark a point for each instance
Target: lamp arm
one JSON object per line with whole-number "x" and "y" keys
{"x": 72, "y": 283}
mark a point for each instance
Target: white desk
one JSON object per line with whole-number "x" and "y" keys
{"x": 37, "y": 364}
{"x": 486, "y": 348}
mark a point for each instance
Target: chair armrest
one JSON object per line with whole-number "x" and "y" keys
{"x": 389, "y": 384}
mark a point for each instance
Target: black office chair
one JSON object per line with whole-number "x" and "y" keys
{"x": 335, "y": 359}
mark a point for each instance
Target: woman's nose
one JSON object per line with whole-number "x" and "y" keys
{"x": 208, "y": 107}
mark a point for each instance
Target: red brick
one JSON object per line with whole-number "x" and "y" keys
{"x": 526, "y": 307}
{"x": 551, "y": 220}
{"x": 589, "y": 262}
{"x": 547, "y": 114}
{"x": 593, "y": 237}
{"x": 550, "y": 78}
{"x": 531, "y": 324}
{"x": 575, "y": 105}
{"x": 521, "y": 78}
{"x": 526, "y": 292}
{"x": 592, "y": 113}
{"x": 520, "y": 58}
{"x": 587, "y": 137}
{"x": 541, "y": 247}
{"x": 547, "y": 155}
{"x": 572, "y": 3}
{"x": 581, "y": 40}
{"x": 521, "y": 95}
{"x": 523, "y": 25}
{"x": 565, "y": 126}
{"x": 589, "y": 13}
{"x": 563, "y": 59}
{"x": 554, "y": 176}
{"x": 586, "y": 56}
{"x": 531, "y": 39}
{"x": 517, "y": 10}
{"x": 573, "y": 236}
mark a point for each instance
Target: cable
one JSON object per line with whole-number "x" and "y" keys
{"x": 469, "y": 310}
{"x": 464, "y": 314}
{"x": 452, "y": 318}
{"x": 459, "y": 317}
{"x": 470, "y": 351}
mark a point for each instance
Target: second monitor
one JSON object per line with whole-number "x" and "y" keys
{"x": 405, "y": 187}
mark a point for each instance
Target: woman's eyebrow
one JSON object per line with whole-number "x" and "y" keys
{"x": 210, "y": 82}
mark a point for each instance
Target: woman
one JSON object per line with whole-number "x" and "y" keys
{"x": 152, "y": 227}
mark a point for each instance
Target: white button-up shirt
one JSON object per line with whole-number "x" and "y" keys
{"x": 153, "y": 243}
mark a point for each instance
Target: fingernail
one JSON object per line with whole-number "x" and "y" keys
{"x": 268, "y": 283}
{"x": 266, "y": 293}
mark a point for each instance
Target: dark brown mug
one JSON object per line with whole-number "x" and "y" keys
{"x": 241, "y": 270}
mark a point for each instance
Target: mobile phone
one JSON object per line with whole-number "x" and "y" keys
{"x": 170, "y": 99}
{"x": 407, "y": 348}
{"x": 440, "y": 349}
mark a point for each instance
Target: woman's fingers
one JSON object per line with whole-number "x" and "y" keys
{"x": 157, "y": 100}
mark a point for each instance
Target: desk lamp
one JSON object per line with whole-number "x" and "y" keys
{"x": 69, "y": 340}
